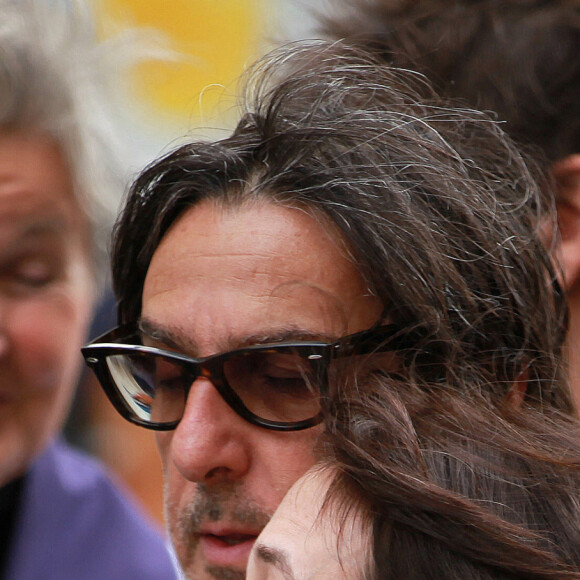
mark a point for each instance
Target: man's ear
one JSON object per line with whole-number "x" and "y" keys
{"x": 567, "y": 174}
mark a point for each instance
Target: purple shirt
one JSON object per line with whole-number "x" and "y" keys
{"x": 74, "y": 524}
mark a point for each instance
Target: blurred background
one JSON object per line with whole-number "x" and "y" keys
{"x": 188, "y": 93}
{"x": 214, "y": 41}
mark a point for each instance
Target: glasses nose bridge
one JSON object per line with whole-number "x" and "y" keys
{"x": 205, "y": 369}
{"x": 211, "y": 368}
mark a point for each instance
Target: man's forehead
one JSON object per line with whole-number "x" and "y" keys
{"x": 222, "y": 281}
{"x": 271, "y": 226}
{"x": 263, "y": 243}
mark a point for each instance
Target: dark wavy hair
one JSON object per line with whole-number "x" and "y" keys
{"x": 517, "y": 58}
{"x": 437, "y": 207}
{"x": 454, "y": 488}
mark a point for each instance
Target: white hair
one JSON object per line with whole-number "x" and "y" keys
{"x": 55, "y": 78}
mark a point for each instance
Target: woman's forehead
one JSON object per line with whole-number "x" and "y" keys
{"x": 308, "y": 538}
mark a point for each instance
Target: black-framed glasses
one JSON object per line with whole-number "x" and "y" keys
{"x": 277, "y": 386}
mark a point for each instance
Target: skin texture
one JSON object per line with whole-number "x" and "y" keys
{"x": 301, "y": 542}
{"x": 46, "y": 294}
{"x": 222, "y": 279}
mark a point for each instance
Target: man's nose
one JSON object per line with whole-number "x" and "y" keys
{"x": 210, "y": 444}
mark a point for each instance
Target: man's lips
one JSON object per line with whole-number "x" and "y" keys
{"x": 227, "y": 547}
{"x": 232, "y": 539}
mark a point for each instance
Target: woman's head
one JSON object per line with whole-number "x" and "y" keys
{"x": 56, "y": 203}
{"x": 46, "y": 294}
{"x": 55, "y": 80}
{"x": 415, "y": 484}
{"x": 313, "y": 535}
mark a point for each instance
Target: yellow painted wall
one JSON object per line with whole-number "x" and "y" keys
{"x": 216, "y": 39}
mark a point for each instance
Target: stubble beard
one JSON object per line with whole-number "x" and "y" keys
{"x": 225, "y": 502}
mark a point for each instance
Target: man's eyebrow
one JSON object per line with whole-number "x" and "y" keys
{"x": 155, "y": 332}
{"x": 176, "y": 340}
{"x": 277, "y": 558}
{"x": 289, "y": 334}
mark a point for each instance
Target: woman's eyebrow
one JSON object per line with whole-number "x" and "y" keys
{"x": 277, "y": 558}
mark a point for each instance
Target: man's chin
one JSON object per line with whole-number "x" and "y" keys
{"x": 208, "y": 572}
{"x": 226, "y": 574}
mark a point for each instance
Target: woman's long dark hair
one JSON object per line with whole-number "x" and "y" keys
{"x": 456, "y": 488}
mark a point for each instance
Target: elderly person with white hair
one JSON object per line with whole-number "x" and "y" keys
{"x": 61, "y": 515}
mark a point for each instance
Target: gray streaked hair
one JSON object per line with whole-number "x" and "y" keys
{"x": 439, "y": 210}
{"x": 55, "y": 79}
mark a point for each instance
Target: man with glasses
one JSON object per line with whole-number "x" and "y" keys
{"x": 350, "y": 214}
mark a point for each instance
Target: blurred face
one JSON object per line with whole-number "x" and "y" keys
{"x": 45, "y": 296}
{"x": 301, "y": 542}
{"x": 219, "y": 280}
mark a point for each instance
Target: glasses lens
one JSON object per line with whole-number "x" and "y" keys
{"x": 276, "y": 385}
{"x": 152, "y": 386}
